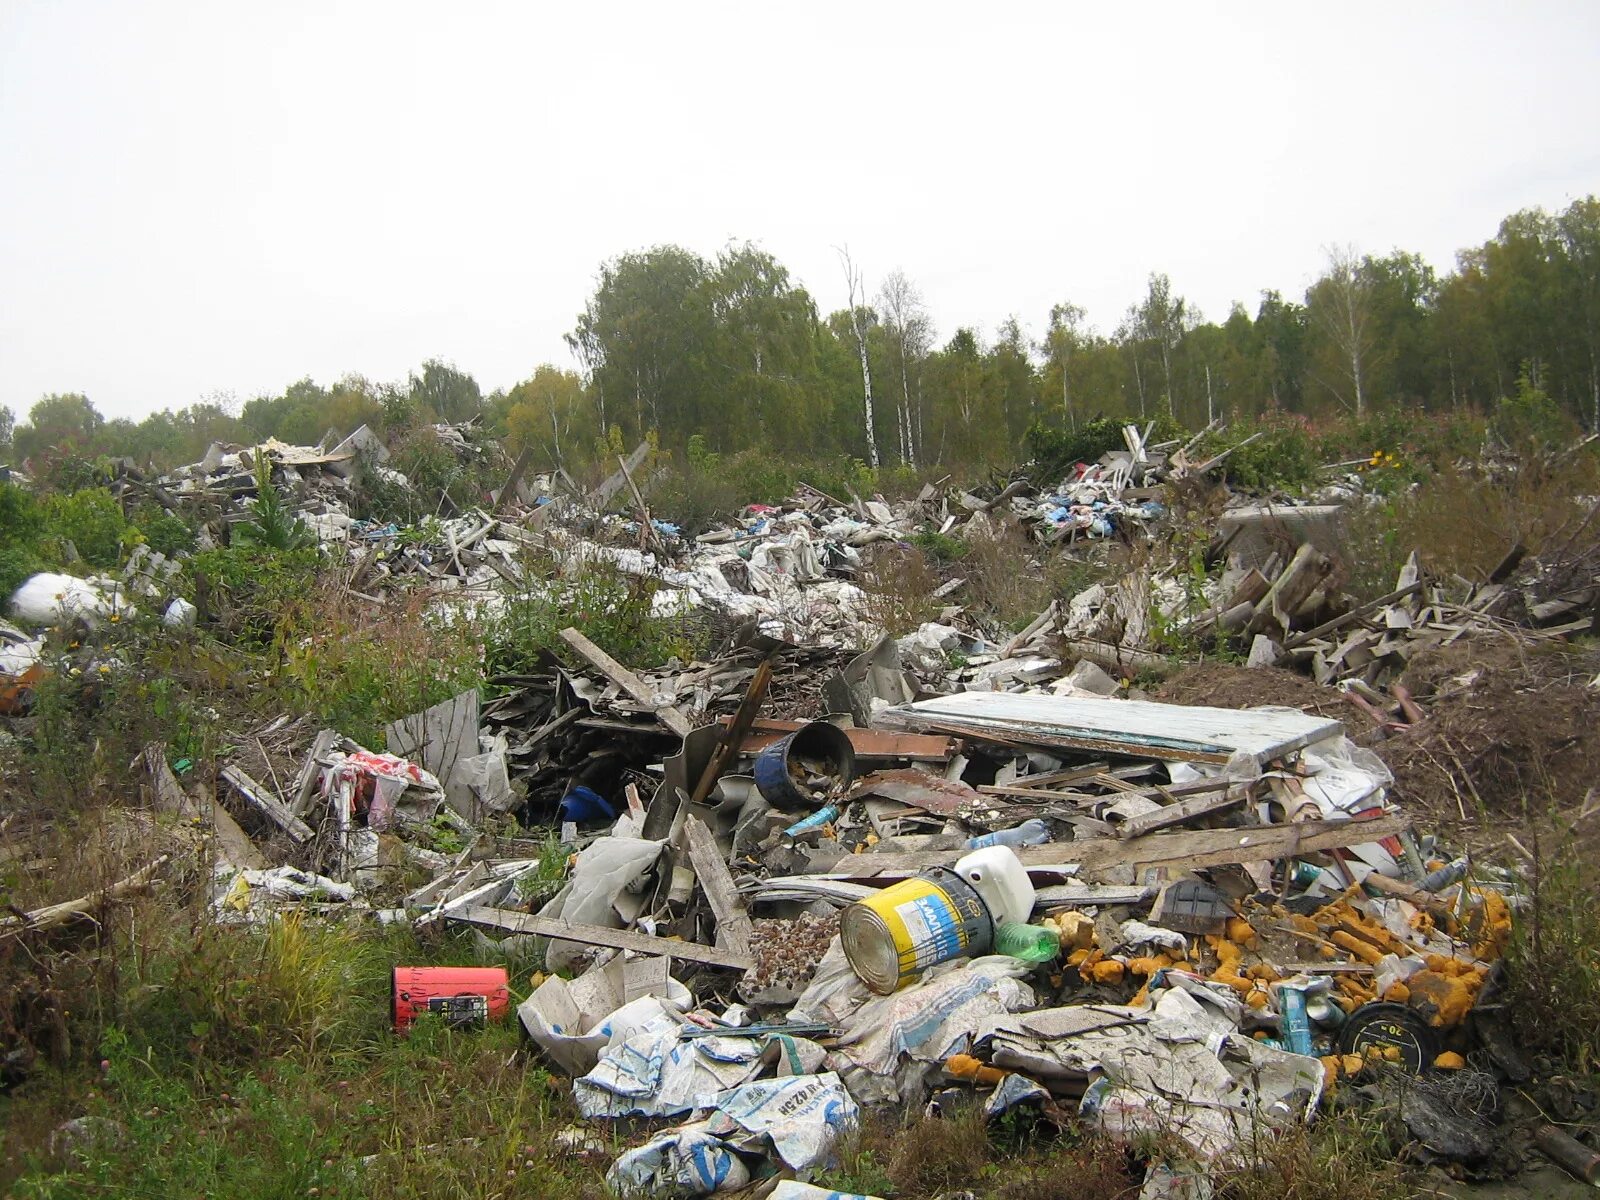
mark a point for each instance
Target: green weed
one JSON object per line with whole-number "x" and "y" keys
{"x": 940, "y": 546}
{"x": 1344, "y": 1156}
{"x": 358, "y": 668}
{"x": 613, "y": 609}
{"x": 1552, "y": 982}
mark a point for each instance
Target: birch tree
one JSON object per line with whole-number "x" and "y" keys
{"x": 858, "y": 326}
{"x": 1060, "y": 346}
{"x": 1164, "y": 319}
{"x": 1340, "y": 304}
{"x": 911, "y": 335}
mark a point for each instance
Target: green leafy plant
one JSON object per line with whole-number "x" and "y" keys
{"x": 271, "y": 525}
{"x": 245, "y": 592}
{"x": 1276, "y": 452}
{"x": 613, "y": 609}
{"x": 1553, "y": 962}
{"x": 1528, "y": 420}
{"x": 21, "y": 525}
{"x": 165, "y": 533}
{"x": 92, "y": 521}
{"x": 358, "y": 669}
{"x": 941, "y": 546}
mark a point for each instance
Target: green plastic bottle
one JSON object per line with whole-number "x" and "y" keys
{"x": 1030, "y": 943}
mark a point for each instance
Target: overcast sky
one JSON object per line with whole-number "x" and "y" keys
{"x": 225, "y": 197}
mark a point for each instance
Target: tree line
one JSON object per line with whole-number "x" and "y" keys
{"x": 732, "y": 351}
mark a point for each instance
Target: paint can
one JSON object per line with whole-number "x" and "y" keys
{"x": 821, "y": 744}
{"x": 892, "y": 937}
{"x": 468, "y": 996}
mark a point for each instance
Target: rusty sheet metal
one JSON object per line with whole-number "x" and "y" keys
{"x": 930, "y": 793}
{"x": 1140, "y": 728}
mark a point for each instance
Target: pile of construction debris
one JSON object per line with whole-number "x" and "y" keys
{"x": 762, "y": 924}
{"x": 831, "y": 870}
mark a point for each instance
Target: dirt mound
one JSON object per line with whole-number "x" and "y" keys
{"x": 1509, "y": 728}
{"x": 1226, "y": 685}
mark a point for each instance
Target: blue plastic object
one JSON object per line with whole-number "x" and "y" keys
{"x": 584, "y": 804}
{"x": 816, "y": 820}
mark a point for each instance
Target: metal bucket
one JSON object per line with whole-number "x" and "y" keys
{"x": 894, "y": 936}
{"x": 819, "y": 740}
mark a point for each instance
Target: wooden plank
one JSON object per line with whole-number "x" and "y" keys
{"x": 598, "y": 935}
{"x": 1306, "y": 570}
{"x": 1355, "y": 614}
{"x": 267, "y": 804}
{"x": 1177, "y": 814}
{"x": 733, "y": 923}
{"x": 601, "y": 496}
{"x": 232, "y": 844}
{"x": 1140, "y": 728}
{"x": 509, "y": 489}
{"x": 1189, "y": 849}
{"x": 17, "y": 922}
{"x": 306, "y": 783}
{"x": 167, "y": 791}
{"x": 733, "y": 733}
{"x": 630, "y": 683}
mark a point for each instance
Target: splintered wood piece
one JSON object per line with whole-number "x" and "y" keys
{"x": 267, "y": 804}
{"x": 625, "y": 679}
{"x": 733, "y": 923}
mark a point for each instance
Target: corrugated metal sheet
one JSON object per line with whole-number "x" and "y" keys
{"x": 1139, "y": 728}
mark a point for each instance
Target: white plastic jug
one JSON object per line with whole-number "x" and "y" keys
{"x": 997, "y": 875}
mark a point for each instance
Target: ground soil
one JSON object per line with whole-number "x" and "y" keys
{"x": 1228, "y": 685}
{"x": 1511, "y": 733}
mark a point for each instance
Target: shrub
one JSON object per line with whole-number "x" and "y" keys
{"x": 21, "y": 523}
{"x": 708, "y": 488}
{"x": 165, "y": 533}
{"x": 1282, "y": 456}
{"x": 613, "y": 609}
{"x": 1055, "y": 450}
{"x": 92, "y": 521}
{"x": 899, "y": 582}
{"x": 358, "y": 668}
{"x": 1552, "y": 985}
{"x": 941, "y": 546}
{"x": 1528, "y": 420}
{"x": 243, "y": 592}
{"x": 1463, "y": 519}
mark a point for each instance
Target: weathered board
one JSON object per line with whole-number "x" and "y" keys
{"x": 1141, "y": 728}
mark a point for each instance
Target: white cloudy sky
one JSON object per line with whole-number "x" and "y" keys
{"x": 224, "y": 197}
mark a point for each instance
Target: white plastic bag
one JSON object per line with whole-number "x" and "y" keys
{"x": 48, "y": 598}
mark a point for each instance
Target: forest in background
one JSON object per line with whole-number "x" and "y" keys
{"x": 729, "y": 353}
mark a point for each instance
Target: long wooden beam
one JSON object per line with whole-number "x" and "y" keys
{"x": 598, "y": 935}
